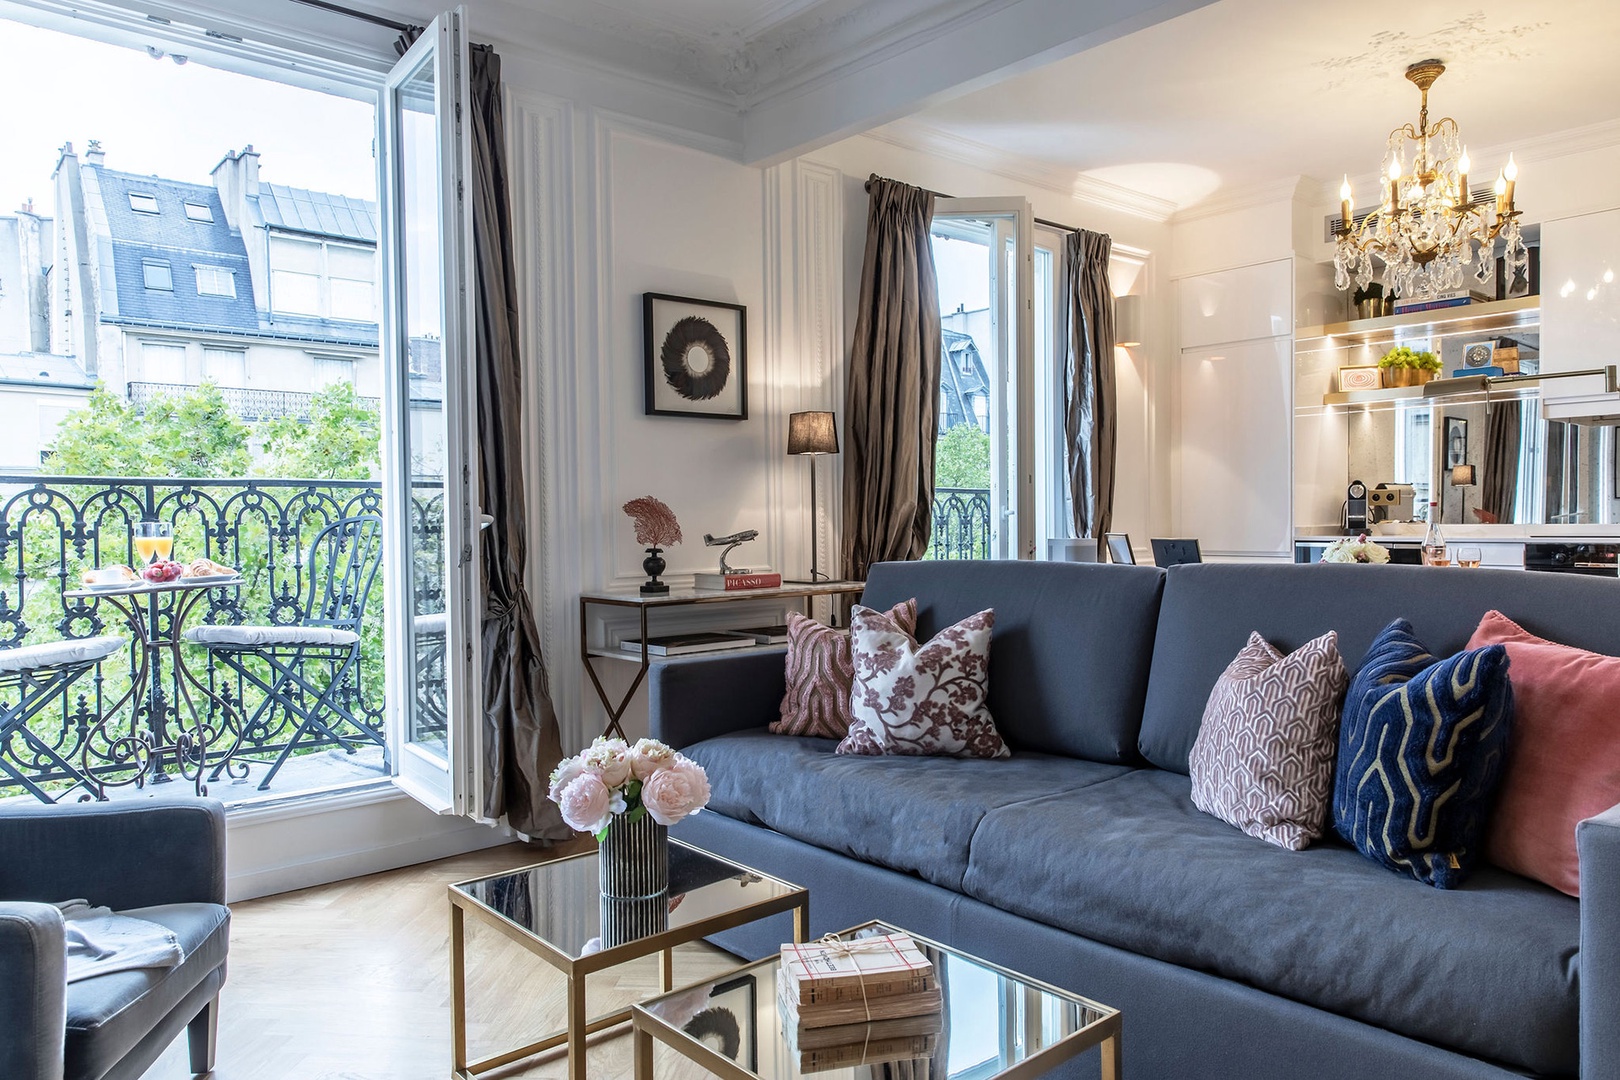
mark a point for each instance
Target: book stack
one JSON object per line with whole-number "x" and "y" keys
{"x": 1459, "y": 298}
{"x": 737, "y": 581}
{"x": 861, "y": 1002}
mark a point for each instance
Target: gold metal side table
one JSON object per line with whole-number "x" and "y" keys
{"x": 556, "y": 911}
{"x": 996, "y": 1023}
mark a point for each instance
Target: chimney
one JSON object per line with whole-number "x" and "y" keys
{"x": 64, "y": 156}
{"x": 95, "y": 155}
{"x": 236, "y": 178}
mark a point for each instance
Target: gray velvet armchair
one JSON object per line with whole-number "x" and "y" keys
{"x": 159, "y": 861}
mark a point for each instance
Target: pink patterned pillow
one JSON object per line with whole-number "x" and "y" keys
{"x": 820, "y": 674}
{"x": 927, "y": 700}
{"x": 1263, "y": 760}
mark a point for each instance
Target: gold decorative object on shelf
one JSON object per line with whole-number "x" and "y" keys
{"x": 1428, "y": 228}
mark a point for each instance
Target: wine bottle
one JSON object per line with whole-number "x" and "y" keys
{"x": 1434, "y": 542}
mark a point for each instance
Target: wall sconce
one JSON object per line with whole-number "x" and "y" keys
{"x": 1462, "y": 476}
{"x": 1127, "y": 321}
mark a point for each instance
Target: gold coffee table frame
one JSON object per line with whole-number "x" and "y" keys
{"x": 575, "y": 969}
{"x": 1103, "y": 1031}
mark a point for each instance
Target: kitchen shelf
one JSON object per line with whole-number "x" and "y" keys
{"x": 1388, "y": 395}
{"x": 1495, "y": 317}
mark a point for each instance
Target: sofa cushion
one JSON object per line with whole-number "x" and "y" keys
{"x": 1209, "y": 610}
{"x": 1420, "y": 754}
{"x": 108, "y": 1014}
{"x": 914, "y": 814}
{"x": 1069, "y": 657}
{"x": 820, "y": 673}
{"x": 1489, "y": 969}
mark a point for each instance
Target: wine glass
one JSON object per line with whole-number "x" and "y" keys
{"x": 1469, "y": 557}
{"x": 154, "y": 540}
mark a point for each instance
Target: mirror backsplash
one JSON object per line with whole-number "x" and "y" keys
{"x": 1495, "y": 463}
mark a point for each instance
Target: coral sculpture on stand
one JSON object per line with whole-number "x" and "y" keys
{"x": 656, "y": 529}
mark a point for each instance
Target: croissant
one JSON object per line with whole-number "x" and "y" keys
{"x": 208, "y": 568}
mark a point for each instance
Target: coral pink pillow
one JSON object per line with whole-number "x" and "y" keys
{"x": 1564, "y": 759}
{"x": 820, "y": 674}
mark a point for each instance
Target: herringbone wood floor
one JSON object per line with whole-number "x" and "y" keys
{"x": 350, "y": 981}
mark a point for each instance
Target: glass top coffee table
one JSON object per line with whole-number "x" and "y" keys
{"x": 996, "y": 1023}
{"x": 556, "y": 911}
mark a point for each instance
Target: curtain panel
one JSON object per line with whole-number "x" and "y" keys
{"x": 1091, "y": 417}
{"x": 891, "y": 409}
{"x": 521, "y": 742}
{"x": 1499, "y": 478}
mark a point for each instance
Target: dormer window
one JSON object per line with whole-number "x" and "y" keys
{"x": 143, "y": 203}
{"x": 156, "y": 274}
{"x": 197, "y": 211}
{"x": 215, "y": 281}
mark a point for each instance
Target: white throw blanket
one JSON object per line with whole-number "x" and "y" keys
{"x": 100, "y": 942}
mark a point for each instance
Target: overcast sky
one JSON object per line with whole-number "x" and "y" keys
{"x": 157, "y": 117}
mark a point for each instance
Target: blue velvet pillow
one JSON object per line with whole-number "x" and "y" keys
{"x": 1420, "y": 753}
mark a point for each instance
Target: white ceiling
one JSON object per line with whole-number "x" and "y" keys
{"x": 1246, "y": 92}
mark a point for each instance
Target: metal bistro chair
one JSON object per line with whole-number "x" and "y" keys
{"x": 31, "y": 678}
{"x": 328, "y": 638}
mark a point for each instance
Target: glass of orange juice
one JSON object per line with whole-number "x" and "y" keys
{"x": 154, "y": 540}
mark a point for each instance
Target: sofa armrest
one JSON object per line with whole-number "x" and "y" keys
{"x": 33, "y": 994}
{"x": 699, "y": 697}
{"x": 1598, "y": 840}
{"x": 114, "y": 855}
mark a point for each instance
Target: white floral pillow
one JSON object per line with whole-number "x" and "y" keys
{"x": 924, "y": 700}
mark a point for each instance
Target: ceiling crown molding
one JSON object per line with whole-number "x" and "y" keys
{"x": 1244, "y": 197}
{"x": 923, "y": 138}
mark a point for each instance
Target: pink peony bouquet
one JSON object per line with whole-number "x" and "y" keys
{"x": 612, "y": 778}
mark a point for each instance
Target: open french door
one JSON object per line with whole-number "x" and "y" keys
{"x": 997, "y": 234}
{"x": 430, "y": 482}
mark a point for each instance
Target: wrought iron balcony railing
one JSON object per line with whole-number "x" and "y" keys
{"x": 54, "y": 527}
{"x": 961, "y": 524}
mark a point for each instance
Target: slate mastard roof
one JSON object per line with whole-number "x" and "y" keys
{"x": 300, "y": 210}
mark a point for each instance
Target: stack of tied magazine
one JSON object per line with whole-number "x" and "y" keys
{"x": 877, "y": 1001}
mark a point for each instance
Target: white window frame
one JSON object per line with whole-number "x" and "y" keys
{"x": 205, "y": 218}
{"x": 152, "y": 212}
{"x": 323, "y": 275}
{"x": 148, "y": 265}
{"x": 202, "y": 270}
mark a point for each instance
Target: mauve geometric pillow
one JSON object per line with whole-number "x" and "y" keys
{"x": 1263, "y": 759}
{"x": 820, "y": 674}
{"x": 926, "y": 700}
{"x": 1420, "y": 755}
{"x": 1563, "y": 764}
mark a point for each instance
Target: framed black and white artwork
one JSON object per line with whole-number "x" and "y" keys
{"x": 1456, "y": 441}
{"x": 697, "y": 357}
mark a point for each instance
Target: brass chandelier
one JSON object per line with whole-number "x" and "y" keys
{"x": 1429, "y": 228}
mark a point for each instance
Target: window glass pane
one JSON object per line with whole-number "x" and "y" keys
{"x": 304, "y": 256}
{"x": 295, "y": 294}
{"x": 225, "y": 367}
{"x": 157, "y": 274}
{"x": 353, "y": 300}
{"x": 143, "y": 204}
{"x": 333, "y": 369}
{"x": 215, "y": 281}
{"x": 199, "y": 211}
{"x": 161, "y": 363}
{"x": 351, "y": 262}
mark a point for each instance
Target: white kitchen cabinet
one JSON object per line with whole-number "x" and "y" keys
{"x": 1580, "y": 311}
{"x": 1236, "y": 305}
{"x": 1234, "y": 481}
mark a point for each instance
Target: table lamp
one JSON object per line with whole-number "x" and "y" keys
{"x": 814, "y": 434}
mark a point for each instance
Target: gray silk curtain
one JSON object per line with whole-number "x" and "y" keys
{"x": 1499, "y": 476}
{"x": 1090, "y": 425}
{"x": 521, "y": 742}
{"x": 891, "y": 409}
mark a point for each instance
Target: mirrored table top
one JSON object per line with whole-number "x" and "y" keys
{"x": 560, "y": 903}
{"x": 993, "y": 1020}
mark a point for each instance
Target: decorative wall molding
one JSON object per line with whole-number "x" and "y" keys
{"x": 1243, "y": 197}
{"x": 1070, "y": 183}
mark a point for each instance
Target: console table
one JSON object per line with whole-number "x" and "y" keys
{"x": 673, "y": 599}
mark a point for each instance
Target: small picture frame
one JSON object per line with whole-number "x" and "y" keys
{"x": 728, "y": 1021}
{"x": 1456, "y": 442}
{"x": 1366, "y": 377}
{"x": 696, "y": 357}
{"x": 1479, "y": 354}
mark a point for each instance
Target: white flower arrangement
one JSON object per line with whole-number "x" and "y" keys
{"x": 1359, "y": 550}
{"x": 611, "y": 778}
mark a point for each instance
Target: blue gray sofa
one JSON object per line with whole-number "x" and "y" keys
{"x": 1082, "y": 861}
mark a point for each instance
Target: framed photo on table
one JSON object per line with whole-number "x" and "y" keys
{"x": 696, "y": 357}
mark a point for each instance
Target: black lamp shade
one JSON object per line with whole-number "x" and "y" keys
{"x": 812, "y": 433}
{"x": 1463, "y": 476}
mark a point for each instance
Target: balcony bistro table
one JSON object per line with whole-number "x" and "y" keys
{"x": 154, "y": 748}
{"x": 672, "y": 599}
{"x": 556, "y": 911}
{"x": 1040, "y": 1026}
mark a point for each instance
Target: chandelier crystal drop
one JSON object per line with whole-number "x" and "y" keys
{"x": 1429, "y": 233}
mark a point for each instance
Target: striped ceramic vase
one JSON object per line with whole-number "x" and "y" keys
{"x": 634, "y": 860}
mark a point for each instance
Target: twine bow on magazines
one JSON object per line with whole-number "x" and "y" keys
{"x": 853, "y": 948}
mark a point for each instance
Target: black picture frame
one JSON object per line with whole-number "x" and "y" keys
{"x": 732, "y": 1010}
{"x": 1456, "y": 441}
{"x": 678, "y": 328}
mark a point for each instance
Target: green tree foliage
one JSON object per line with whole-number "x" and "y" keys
{"x": 339, "y": 441}
{"x": 187, "y": 435}
{"x": 962, "y": 458}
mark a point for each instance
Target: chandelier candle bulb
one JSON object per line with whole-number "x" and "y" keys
{"x": 1462, "y": 178}
{"x": 1509, "y": 175}
{"x": 1345, "y": 204}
